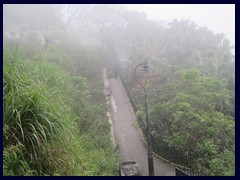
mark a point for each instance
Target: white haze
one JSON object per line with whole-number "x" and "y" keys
{"x": 220, "y": 18}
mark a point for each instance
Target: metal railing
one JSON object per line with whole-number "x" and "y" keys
{"x": 180, "y": 172}
{"x": 132, "y": 102}
{"x": 182, "y": 157}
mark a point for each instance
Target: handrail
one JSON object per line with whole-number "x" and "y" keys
{"x": 135, "y": 109}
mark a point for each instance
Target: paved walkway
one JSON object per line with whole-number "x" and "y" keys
{"x": 127, "y": 136}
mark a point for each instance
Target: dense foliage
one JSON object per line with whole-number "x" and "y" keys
{"x": 190, "y": 93}
{"x": 54, "y": 108}
{"x": 54, "y": 124}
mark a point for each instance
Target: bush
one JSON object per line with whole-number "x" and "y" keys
{"x": 47, "y": 120}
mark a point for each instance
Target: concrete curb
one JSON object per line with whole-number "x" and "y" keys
{"x": 142, "y": 137}
{"x": 108, "y": 99}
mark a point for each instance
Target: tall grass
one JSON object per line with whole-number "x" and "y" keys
{"x": 48, "y": 116}
{"x": 31, "y": 113}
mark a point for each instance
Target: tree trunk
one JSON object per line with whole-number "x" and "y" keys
{"x": 46, "y": 42}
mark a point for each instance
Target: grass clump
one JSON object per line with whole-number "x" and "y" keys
{"x": 47, "y": 112}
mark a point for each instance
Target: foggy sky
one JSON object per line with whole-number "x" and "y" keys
{"x": 219, "y": 18}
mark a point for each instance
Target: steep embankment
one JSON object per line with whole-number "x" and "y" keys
{"x": 52, "y": 123}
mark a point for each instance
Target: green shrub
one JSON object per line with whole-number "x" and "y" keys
{"x": 51, "y": 123}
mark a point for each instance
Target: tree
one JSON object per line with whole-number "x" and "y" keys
{"x": 63, "y": 15}
{"x": 190, "y": 119}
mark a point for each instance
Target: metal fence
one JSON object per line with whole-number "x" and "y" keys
{"x": 134, "y": 106}
{"x": 180, "y": 172}
{"x": 182, "y": 157}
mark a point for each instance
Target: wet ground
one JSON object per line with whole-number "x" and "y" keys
{"x": 127, "y": 135}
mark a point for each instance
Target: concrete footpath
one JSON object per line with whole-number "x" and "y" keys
{"x": 126, "y": 134}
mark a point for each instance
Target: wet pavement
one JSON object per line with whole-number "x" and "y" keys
{"x": 127, "y": 135}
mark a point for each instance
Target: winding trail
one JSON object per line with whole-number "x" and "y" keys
{"x": 127, "y": 136}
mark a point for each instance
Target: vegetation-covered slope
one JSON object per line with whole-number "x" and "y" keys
{"x": 191, "y": 93}
{"x": 190, "y": 87}
{"x": 54, "y": 123}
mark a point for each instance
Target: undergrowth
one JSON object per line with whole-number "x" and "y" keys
{"x": 52, "y": 125}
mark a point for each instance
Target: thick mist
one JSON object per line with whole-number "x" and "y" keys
{"x": 60, "y": 59}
